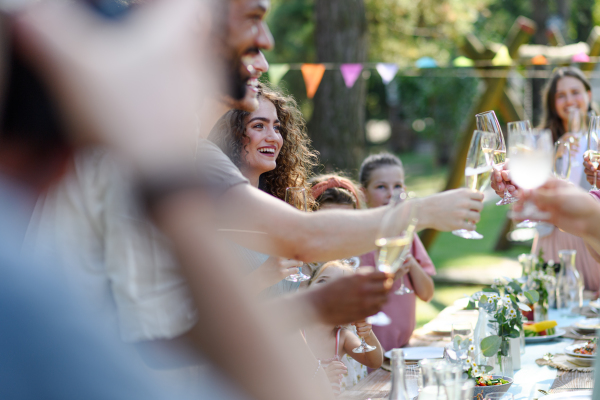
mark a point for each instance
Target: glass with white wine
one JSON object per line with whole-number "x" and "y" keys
{"x": 531, "y": 155}
{"x": 394, "y": 240}
{"x": 296, "y": 197}
{"x": 478, "y": 170}
{"x": 593, "y": 151}
{"x": 487, "y": 122}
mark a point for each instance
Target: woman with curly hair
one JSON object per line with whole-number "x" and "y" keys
{"x": 272, "y": 149}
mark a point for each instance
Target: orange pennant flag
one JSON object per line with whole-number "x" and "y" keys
{"x": 539, "y": 60}
{"x": 312, "y": 74}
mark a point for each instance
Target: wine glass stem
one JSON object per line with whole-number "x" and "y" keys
{"x": 507, "y": 194}
{"x": 595, "y": 179}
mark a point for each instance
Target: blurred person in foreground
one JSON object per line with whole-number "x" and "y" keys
{"x": 50, "y": 351}
{"x": 161, "y": 160}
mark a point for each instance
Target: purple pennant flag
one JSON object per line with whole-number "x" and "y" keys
{"x": 351, "y": 72}
{"x": 387, "y": 72}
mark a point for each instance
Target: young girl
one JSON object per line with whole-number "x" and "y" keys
{"x": 330, "y": 343}
{"x": 379, "y": 176}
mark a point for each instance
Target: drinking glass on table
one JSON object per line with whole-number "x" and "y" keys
{"x": 531, "y": 155}
{"x": 487, "y": 122}
{"x": 478, "y": 170}
{"x": 562, "y": 160}
{"x": 411, "y": 380}
{"x": 394, "y": 240}
{"x": 296, "y": 197}
{"x": 593, "y": 151}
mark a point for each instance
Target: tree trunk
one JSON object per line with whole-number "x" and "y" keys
{"x": 338, "y": 120}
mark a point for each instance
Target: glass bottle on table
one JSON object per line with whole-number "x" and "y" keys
{"x": 398, "y": 391}
{"x": 478, "y": 170}
{"x": 296, "y": 197}
{"x": 572, "y": 284}
{"x": 487, "y": 122}
{"x": 593, "y": 151}
{"x": 531, "y": 155}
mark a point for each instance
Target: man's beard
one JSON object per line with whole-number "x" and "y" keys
{"x": 237, "y": 82}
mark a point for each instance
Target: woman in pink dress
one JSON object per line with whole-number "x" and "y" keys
{"x": 379, "y": 176}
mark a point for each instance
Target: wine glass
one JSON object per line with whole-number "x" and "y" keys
{"x": 297, "y": 198}
{"x": 593, "y": 146}
{"x": 412, "y": 376}
{"x": 478, "y": 170}
{"x": 562, "y": 160}
{"x": 531, "y": 155}
{"x": 488, "y": 122}
{"x": 394, "y": 240}
{"x": 461, "y": 333}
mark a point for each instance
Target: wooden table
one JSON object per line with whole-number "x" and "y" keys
{"x": 528, "y": 379}
{"x": 376, "y": 386}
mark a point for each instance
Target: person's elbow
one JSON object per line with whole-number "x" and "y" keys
{"x": 376, "y": 363}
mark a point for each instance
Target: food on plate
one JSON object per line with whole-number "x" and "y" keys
{"x": 486, "y": 380}
{"x": 588, "y": 350}
{"x": 542, "y": 328}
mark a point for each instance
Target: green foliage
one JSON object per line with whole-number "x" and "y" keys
{"x": 293, "y": 26}
{"x": 499, "y": 15}
{"x": 490, "y": 345}
{"x": 532, "y": 295}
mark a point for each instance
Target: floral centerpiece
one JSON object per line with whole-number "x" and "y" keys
{"x": 504, "y": 301}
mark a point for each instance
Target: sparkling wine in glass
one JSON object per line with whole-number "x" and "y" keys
{"x": 487, "y": 122}
{"x": 531, "y": 156}
{"x": 296, "y": 197}
{"x": 394, "y": 241}
{"x": 562, "y": 160}
{"x": 478, "y": 170}
{"x": 593, "y": 151}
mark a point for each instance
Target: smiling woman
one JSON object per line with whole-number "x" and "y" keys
{"x": 269, "y": 145}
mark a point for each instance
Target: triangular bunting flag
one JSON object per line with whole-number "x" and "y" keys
{"x": 276, "y": 72}
{"x": 580, "y": 58}
{"x": 426, "y": 62}
{"x": 350, "y": 72}
{"x": 387, "y": 72}
{"x": 502, "y": 57}
{"x": 463, "y": 61}
{"x": 539, "y": 60}
{"x": 312, "y": 74}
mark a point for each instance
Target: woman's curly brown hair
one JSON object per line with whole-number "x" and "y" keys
{"x": 296, "y": 157}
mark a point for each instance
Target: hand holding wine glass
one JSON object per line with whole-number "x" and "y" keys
{"x": 593, "y": 152}
{"x": 487, "y": 122}
{"x": 478, "y": 170}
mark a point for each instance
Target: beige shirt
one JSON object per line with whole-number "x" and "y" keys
{"x": 113, "y": 253}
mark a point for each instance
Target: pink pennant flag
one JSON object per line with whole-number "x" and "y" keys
{"x": 580, "y": 58}
{"x": 387, "y": 71}
{"x": 351, "y": 72}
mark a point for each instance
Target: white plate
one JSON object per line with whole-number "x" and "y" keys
{"x": 590, "y": 324}
{"x": 577, "y": 395}
{"x": 419, "y": 353}
{"x": 539, "y": 339}
{"x": 569, "y": 351}
{"x": 595, "y": 304}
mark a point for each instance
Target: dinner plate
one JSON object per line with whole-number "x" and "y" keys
{"x": 419, "y": 353}
{"x": 588, "y": 325}
{"x": 569, "y": 350}
{"x": 577, "y": 395}
{"x": 539, "y": 339}
{"x": 595, "y": 304}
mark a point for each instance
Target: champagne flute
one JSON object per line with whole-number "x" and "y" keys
{"x": 488, "y": 122}
{"x": 593, "y": 147}
{"x": 478, "y": 170}
{"x": 394, "y": 241}
{"x": 531, "y": 156}
{"x": 296, "y": 197}
{"x": 562, "y": 160}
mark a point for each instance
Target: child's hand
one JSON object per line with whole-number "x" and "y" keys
{"x": 335, "y": 370}
{"x": 363, "y": 328}
{"x": 406, "y": 267}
